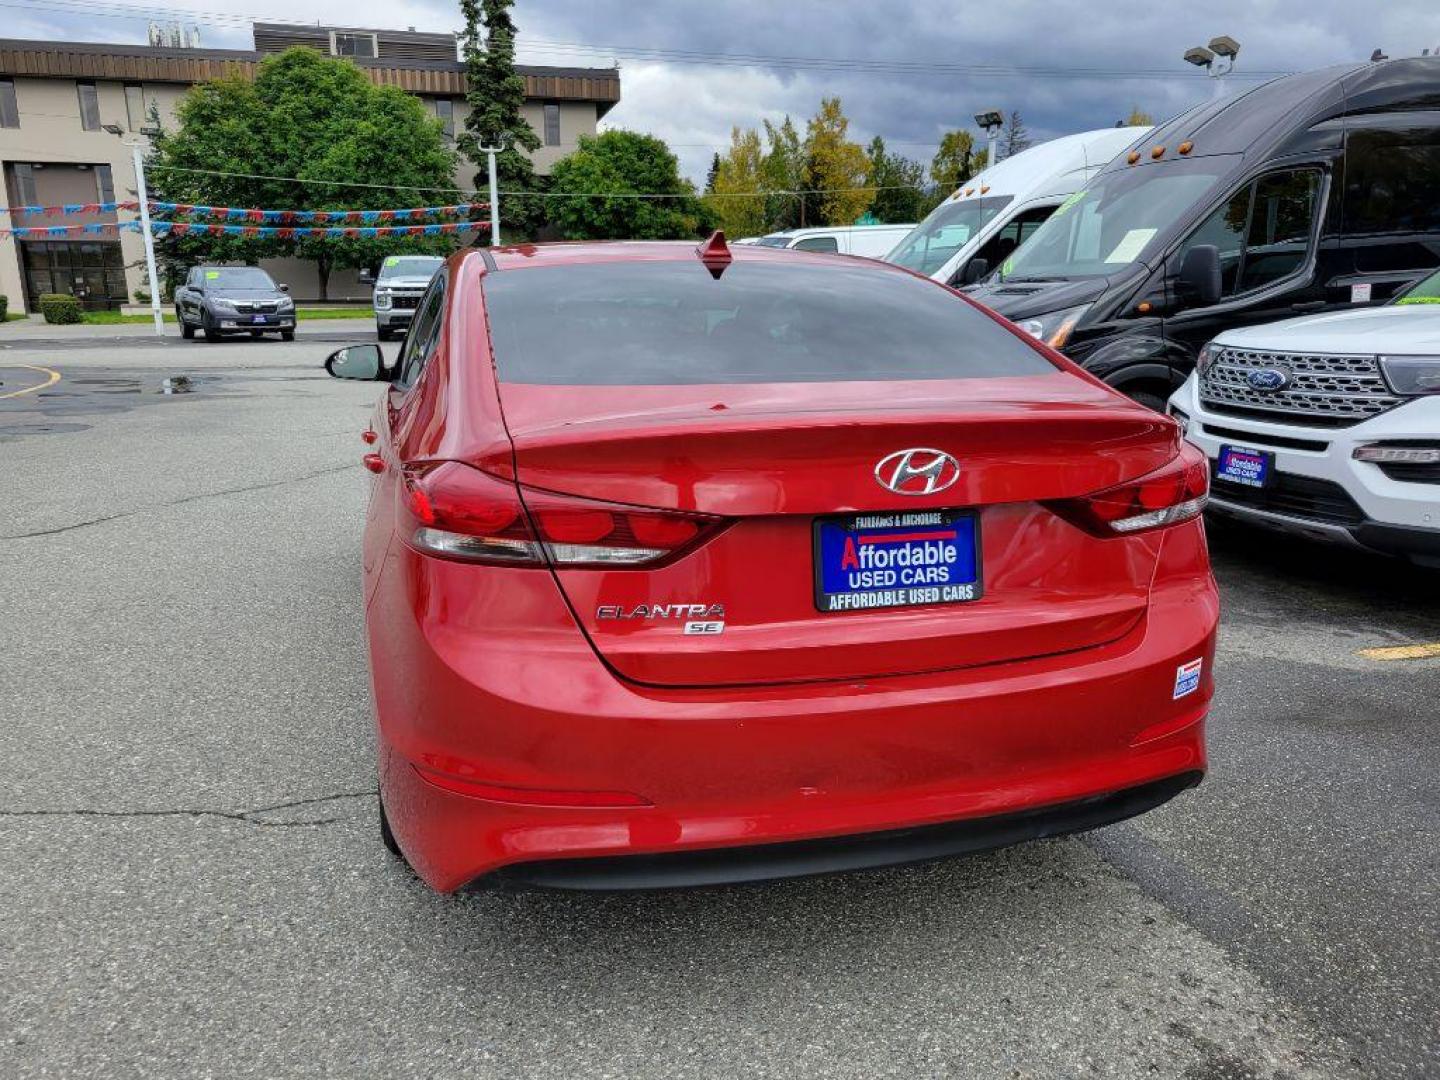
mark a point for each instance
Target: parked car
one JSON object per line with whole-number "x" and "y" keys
{"x": 398, "y": 288}
{"x": 1312, "y": 192}
{"x": 696, "y": 565}
{"x": 995, "y": 211}
{"x": 221, "y": 300}
{"x": 871, "y": 241}
{"x": 1328, "y": 426}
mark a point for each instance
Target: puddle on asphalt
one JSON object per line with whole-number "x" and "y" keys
{"x": 16, "y": 431}
{"x": 87, "y": 395}
{"x": 166, "y": 385}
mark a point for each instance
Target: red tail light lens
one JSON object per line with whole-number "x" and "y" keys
{"x": 1171, "y": 494}
{"x": 463, "y": 513}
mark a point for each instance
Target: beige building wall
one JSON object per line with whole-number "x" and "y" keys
{"x": 50, "y": 131}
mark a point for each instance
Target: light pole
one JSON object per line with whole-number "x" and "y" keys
{"x": 144, "y": 196}
{"x": 1218, "y": 61}
{"x": 490, "y": 152}
{"x": 991, "y": 120}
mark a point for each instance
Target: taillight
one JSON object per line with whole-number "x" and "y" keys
{"x": 1171, "y": 494}
{"x": 463, "y": 513}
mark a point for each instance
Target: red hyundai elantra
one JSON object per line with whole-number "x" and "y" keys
{"x": 692, "y": 565}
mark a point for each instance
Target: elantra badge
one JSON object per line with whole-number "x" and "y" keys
{"x": 1268, "y": 380}
{"x": 920, "y": 471}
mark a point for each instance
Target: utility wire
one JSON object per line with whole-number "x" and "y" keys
{"x": 120, "y": 10}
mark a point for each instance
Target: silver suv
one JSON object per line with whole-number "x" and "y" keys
{"x": 402, "y": 281}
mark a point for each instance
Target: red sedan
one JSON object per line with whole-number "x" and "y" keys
{"x": 689, "y": 565}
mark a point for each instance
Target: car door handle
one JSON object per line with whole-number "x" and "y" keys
{"x": 1309, "y": 305}
{"x": 374, "y": 462}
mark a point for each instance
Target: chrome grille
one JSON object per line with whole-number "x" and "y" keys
{"x": 257, "y": 307}
{"x": 1329, "y": 391}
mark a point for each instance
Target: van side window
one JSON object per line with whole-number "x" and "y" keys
{"x": 1014, "y": 233}
{"x": 817, "y": 243}
{"x": 1262, "y": 231}
{"x": 1391, "y": 182}
{"x": 423, "y": 334}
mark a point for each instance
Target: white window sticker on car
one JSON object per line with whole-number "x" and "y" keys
{"x": 1187, "y": 677}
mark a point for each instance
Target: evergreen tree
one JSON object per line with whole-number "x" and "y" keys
{"x": 1015, "y": 138}
{"x": 712, "y": 174}
{"x": 495, "y": 94}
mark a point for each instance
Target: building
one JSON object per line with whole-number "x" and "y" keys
{"x": 57, "y": 99}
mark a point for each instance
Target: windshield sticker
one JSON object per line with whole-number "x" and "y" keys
{"x": 392, "y": 260}
{"x": 1360, "y": 293}
{"x": 1068, "y": 203}
{"x": 1007, "y": 266}
{"x": 1418, "y": 300}
{"x": 1130, "y": 245}
{"x": 212, "y": 275}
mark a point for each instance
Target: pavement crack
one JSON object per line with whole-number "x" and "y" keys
{"x": 177, "y": 502}
{"x": 249, "y": 817}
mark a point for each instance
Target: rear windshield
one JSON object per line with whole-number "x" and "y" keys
{"x": 657, "y": 323}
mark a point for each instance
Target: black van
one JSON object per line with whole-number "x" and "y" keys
{"x": 1311, "y": 192}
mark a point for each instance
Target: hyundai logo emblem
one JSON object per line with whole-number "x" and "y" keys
{"x": 920, "y": 471}
{"x": 1268, "y": 380}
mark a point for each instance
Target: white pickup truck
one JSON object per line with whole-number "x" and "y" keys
{"x": 398, "y": 288}
{"x": 1328, "y": 426}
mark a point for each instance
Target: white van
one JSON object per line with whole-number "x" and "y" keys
{"x": 871, "y": 241}
{"x": 994, "y": 212}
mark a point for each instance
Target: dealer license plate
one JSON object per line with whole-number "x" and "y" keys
{"x": 258, "y": 318}
{"x": 1241, "y": 465}
{"x": 897, "y": 559}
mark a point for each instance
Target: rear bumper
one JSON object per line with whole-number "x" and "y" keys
{"x": 830, "y": 855}
{"x": 745, "y": 773}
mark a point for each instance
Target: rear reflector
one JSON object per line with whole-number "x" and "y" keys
{"x": 463, "y": 513}
{"x": 478, "y": 789}
{"x": 1171, "y": 494}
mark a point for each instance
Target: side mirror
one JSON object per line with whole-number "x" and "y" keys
{"x": 365, "y": 277}
{"x": 974, "y": 270}
{"x": 283, "y": 288}
{"x": 1200, "y": 272}
{"x": 363, "y": 362}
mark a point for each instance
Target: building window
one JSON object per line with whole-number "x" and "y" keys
{"x": 25, "y": 184}
{"x": 445, "y": 110}
{"x": 105, "y": 183}
{"x": 135, "y": 106}
{"x": 361, "y": 46}
{"x": 9, "y": 110}
{"x": 89, "y": 106}
{"x": 552, "y": 125}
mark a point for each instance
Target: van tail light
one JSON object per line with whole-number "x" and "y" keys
{"x": 1171, "y": 494}
{"x": 462, "y": 513}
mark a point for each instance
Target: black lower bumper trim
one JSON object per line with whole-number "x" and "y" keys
{"x": 830, "y": 855}
{"x": 1420, "y": 544}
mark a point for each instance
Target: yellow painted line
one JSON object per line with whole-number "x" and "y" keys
{"x": 54, "y": 378}
{"x": 1402, "y": 652}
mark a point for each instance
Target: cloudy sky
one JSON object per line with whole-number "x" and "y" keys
{"x": 906, "y": 70}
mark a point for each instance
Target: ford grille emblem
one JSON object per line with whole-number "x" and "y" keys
{"x": 920, "y": 471}
{"x": 1268, "y": 380}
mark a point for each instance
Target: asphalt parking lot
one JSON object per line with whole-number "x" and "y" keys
{"x": 191, "y": 883}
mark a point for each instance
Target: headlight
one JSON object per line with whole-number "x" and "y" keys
{"x": 221, "y": 302}
{"x": 285, "y": 304}
{"x": 1055, "y": 327}
{"x": 1208, "y": 355}
{"x": 382, "y": 298}
{"x": 1412, "y": 375}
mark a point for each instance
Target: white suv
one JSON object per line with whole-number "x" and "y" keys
{"x": 1327, "y": 426}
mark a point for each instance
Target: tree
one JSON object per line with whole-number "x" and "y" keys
{"x": 315, "y": 118}
{"x": 712, "y": 174}
{"x": 835, "y": 167}
{"x": 1138, "y": 118}
{"x": 622, "y": 164}
{"x": 898, "y": 184}
{"x": 736, "y": 191}
{"x": 1015, "y": 138}
{"x": 954, "y": 162}
{"x": 495, "y": 94}
{"x": 782, "y": 172}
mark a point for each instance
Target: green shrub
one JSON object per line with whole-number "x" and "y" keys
{"x": 4, "y": 306}
{"x": 60, "y": 309}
